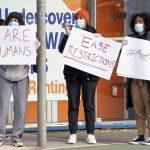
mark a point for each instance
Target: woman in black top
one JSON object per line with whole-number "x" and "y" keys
{"x": 138, "y": 90}
{"x": 75, "y": 79}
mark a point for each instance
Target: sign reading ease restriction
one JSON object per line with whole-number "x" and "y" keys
{"x": 17, "y": 45}
{"x": 88, "y": 53}
{"x": 134, "y": 61}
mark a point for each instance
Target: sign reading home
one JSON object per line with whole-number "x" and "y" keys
{"x": 135, "y": 59}
{"x": 89, "y": 53}
{"x": 17, "y": 45}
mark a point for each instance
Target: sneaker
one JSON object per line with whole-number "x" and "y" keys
{"x": 17, "y": 143}
{"x": 137, "y": 140}
{"x": 91, "y": 139}
{"x": 147, "y": 141}
{"x": 1, "y": 142}
{"x": 72, "y": 139}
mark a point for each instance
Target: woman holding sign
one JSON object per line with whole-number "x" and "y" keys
{"x": 138, "y": 90}
{"x": 14, "y": 80}
{"x": 75, "y": 79}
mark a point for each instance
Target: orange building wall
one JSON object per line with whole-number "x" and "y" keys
{"x": 31, "y": 112}
{"x": 75, "y": 4}
{"x": 109, "y": 106}
{"x": 110, "y": 23}
{"x": 63, "y": 111}
{"x": 110, "y": 18}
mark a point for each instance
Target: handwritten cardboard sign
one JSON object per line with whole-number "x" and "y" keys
{"x": 93, "y": 55}
{"x": 17, "y": 45}
{"x": 134, "y": 61}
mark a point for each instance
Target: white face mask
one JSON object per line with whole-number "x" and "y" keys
{"x": 80, "y": 23}
{"x": 139, "y": 27}
{"x": 13, "y": 23}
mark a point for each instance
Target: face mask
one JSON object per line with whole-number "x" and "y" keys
{"x": 12, "y": 23}
{"x": 139, "y": 27}
{"x": 80, "y": 23}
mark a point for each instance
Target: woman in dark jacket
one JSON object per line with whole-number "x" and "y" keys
{"x": 137, "y": 90}
{"x": 75, "y": 79}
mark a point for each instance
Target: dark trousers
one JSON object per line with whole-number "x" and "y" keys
{"x": 88, "y": 92}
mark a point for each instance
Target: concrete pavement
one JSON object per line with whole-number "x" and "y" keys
{"x": 108, "y": 138}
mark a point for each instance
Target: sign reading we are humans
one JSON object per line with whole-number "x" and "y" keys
{"x": 93, "y": 55}
{"x": 135, "y": 59}
{"x": 17, "y": 45}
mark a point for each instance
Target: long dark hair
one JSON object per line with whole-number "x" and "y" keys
{"x": 146, "y": 19}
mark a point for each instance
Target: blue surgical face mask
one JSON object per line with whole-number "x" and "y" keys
{"x": 80, "y": 23}
{"x": 139, "y": 27}
{"x": 13, "y": 23}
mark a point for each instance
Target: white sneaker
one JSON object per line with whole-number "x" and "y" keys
{"x": 17, "y": 143}
{"x": 72, "y": 139}
{"x": 136, "y": 140}
{"x": 91, "y": 139}
{"x": 147, "y": 141}
{"x": 1, "y": 142}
